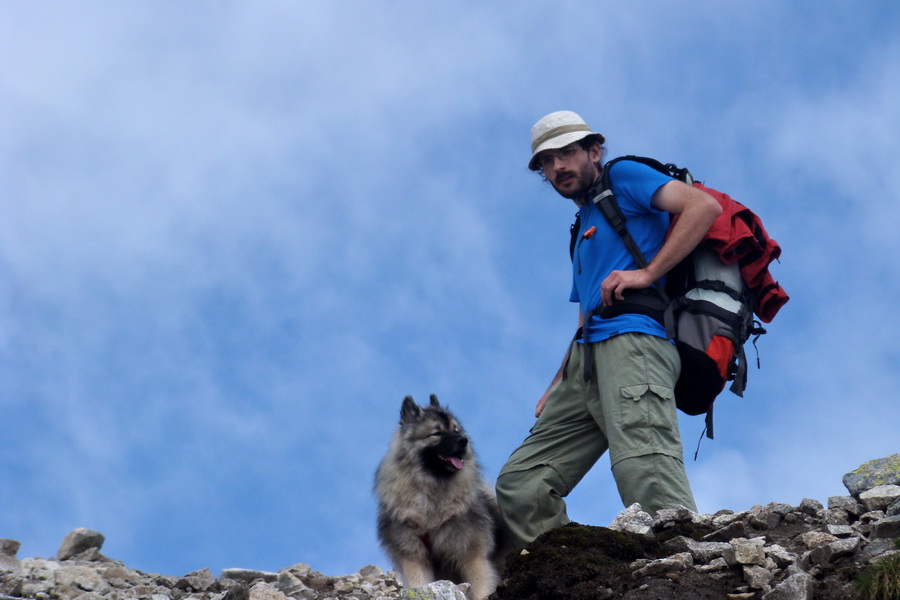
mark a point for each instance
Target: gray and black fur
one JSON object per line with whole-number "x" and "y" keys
{"x": 437, "y": 518}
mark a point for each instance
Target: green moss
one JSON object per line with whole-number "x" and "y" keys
{"x": 887, "y": 469}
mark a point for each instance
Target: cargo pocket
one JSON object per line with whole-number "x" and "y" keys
{"x": 646, "y": 405}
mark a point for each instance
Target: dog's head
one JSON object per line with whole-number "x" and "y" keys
{"x": 439, "y": 438}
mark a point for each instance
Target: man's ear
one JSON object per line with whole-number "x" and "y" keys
{"x": 595, "y": 152}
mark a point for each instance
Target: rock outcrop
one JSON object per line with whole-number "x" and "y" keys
{"x": 771, "y": 552}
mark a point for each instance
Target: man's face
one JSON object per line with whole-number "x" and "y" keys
{"x": 571, "y": 170}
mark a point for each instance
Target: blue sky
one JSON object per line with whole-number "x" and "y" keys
{"x": 234, "y": 235}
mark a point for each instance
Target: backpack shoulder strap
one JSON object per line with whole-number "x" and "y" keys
{"x": 605, "y": 200}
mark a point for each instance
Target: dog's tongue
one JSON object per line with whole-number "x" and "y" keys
{"x": 456, "y": 462}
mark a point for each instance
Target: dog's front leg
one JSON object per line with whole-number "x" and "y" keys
{"x": 415, "y": 572}
{"x": 482, "y": 576}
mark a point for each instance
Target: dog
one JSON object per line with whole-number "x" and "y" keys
{"x": 437, "y": 518}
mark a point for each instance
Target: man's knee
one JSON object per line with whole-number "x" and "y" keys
{"x": 531, "y": 502}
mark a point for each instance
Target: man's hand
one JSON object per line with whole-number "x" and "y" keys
{"x": 697, "y": 209}
{"x": 540, "y": 405}
{"x": 618, "y": 281}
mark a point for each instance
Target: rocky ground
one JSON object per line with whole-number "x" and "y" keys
{"x": 772, "y": 552}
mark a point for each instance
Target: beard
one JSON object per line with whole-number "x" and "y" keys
{"x": 574, "y": 181}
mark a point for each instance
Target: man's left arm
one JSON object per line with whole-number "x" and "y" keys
{"x": 697, "y": 211}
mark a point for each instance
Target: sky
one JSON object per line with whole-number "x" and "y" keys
{"x": 234, "y": 235}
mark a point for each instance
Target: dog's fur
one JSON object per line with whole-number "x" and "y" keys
{"x": 437, "y": 519}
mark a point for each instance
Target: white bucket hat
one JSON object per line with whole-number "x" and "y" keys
{"x": 556, "y": 130}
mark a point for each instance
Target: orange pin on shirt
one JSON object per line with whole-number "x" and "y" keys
{"x": 589, "y": 233}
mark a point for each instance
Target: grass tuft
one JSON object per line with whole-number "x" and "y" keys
{"x": 881, "y": 581}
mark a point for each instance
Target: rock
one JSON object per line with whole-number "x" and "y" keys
{"x": 702, "y": 552}
{"x": 676, "y": 562}
{"x": 632, "y": 519}
{"x": 248, "y": 576}
{"x": 78, "y": 542}
{"x": 825, "y": 553}
{"x": 813, "y": 539}
{"x": 8, "y": 561}
{"x": 810, "y": 507}
{"x": 764, "y": 518}
{"x": 839, "y": 531}
{"x": 746, "y": 552}
{"x": 371, "y": 571}
{"x": 439, "y": 590}
{"x": 888, "y": 527}
{"x": 846, "y": 503}
{"x": 735, "y": 529}
{"x": 780, "y": 555}
{"x": 796, "y": 587}
{"x": 261, "y": 591}
{"x": 880, "y": 497}
{"x": 197, "y": 581}
{"x": 757, "y": 577}
{"x": 882, "y": 471}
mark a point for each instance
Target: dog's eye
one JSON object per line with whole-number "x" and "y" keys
{"x": 435, "y": 434}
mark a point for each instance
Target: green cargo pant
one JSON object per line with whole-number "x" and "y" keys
{"x": 627, "y": 408}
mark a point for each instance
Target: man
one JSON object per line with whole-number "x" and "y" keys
{"x": 627, "y": 406}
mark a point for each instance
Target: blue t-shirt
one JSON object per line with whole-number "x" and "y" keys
{"x": 596, "y": 257}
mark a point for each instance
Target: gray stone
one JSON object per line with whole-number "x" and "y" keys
{"x": 717, "y": 564}
{"x": 81, "y": 578}
{"x": 882, "y": 471}
{"x": 701, "y": 552}
{"x": 371, "y": 571}
{"x": 780, "y": 555}
{"x": 248, "y": 575}
{"x": 847, "y": 503}
{"x": 262, "y": 591}
{"x": 439, "y": 590}
{"x": 836, "y": 516}
{"x": 198, "y": 581}
{"x": 746, "y": 552}
{"x": 876, "y": 548}
{"x": 669, "y": 516}
{"x": 675, "y": 563}
{"x": 9, "y": 547}
{"x": 796, "y": 587}
{"x": 825, "y": 553}
{"x": 79, "y": 541}
{"x": 880, "y": 497}
{"x": 811, "y": 507}
{"x": 8, "y": 561}
{"x": 888, "y": 527}
{"x": 764, "y": 518}
{"x": 757, "y": 577}
{"x": 839, "y": 531}
{"x": 813, "y": 539}
{"x": 632, "y": 519}
{"x": 734, "y": 529}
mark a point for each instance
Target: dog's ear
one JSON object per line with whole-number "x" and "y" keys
{"x": 434, "y": 401}
{"x": 410, "y": 411}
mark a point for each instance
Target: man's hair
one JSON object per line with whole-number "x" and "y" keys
{"x": 588, "y": 142}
